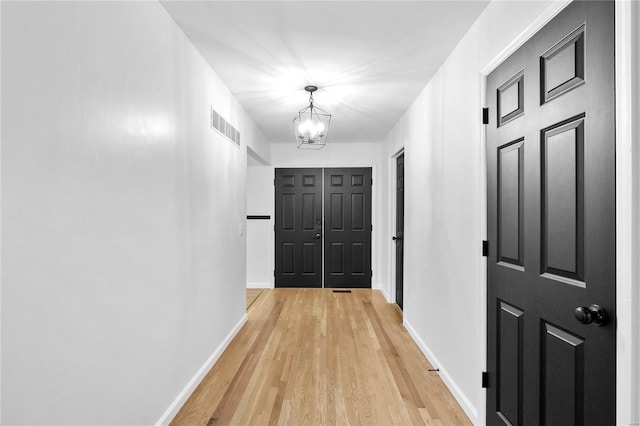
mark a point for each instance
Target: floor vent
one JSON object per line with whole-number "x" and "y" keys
{"x": 224, "y": 127}
{"x": 342, "y": 291}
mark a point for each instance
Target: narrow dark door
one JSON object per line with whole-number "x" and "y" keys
{"x": 298, "y": 228}
{"x": 399, "y": 237}
{"x": 551, "y": 225}
{"x": 347, "y": 194}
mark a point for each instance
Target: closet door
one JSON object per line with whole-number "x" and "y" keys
{"x": 347, "y": 239}
{"x": 298, "y": 228}
{"x": 551, "y": 225}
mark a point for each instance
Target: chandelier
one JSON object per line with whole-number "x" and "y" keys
{"x": 311, "y": 124}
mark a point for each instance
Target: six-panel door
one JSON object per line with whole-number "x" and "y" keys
{"x": 347, "y": 245}
{"x": 298, "y": 228}
{"x": 551, "y": 225}
{"x": 399, "y": 237}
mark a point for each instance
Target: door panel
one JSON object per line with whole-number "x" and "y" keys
{"x": 551, "y": 224}
{"x": 298, "y": 228}
{"x": 510, "y": 355}
{"x": 563, "y": 374}
{"x": 336, "y": 211}
{"x": 562, "y": 164}
{"x": 348, "y": 230}
{"x": 399, "y": 237}
{"x": 510, "y": 202}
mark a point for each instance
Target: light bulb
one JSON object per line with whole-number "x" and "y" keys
{"x": 311, "y": 131}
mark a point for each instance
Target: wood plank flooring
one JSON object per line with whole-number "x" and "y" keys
{"x": 252, "y": 295}
{"x": 311, "y": 356}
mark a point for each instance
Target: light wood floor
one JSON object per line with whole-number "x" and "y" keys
{"x": 311, "y": 356}
{"x": 252, "y": 295}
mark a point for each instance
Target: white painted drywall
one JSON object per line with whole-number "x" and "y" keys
{"x": 633, "y": 403}
{"x": 123, "y": 268}
{"x": 443, "y": 212}
{"x": 333, "y": 155}
{"x": 260, "y": 243}
{"x": 0, "y": 216}
{"x": 635, "y": 284}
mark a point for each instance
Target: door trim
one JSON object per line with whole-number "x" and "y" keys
{"x": 628, "y": 329}
{"x": 627, "y": 244}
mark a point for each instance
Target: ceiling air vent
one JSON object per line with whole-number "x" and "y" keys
{"x": 224, "y": 127}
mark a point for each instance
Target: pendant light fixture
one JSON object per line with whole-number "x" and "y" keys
{"x": 311, "y": 124}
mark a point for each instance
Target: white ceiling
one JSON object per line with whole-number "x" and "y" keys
{"x": 370, "y": 59}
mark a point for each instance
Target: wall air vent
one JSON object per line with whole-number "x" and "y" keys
{"x": 224, "y": 127}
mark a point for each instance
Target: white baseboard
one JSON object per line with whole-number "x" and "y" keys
{"x": 385, "y": 294}
{"x": 199, "y": 376}
{"x": 259, "y": 285}
{"x": 462, "y": 399}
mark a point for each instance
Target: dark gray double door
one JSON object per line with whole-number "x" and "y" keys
{"x": 551, "y": 225}
{"x": 323, "y": 216}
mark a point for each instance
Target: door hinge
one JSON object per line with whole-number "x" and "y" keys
{"x": 371, "y": 226}
{"x": 274, "y": 273}
{"x": 485, "y": 248}
{"x": 371, "y": 181}
{"x": 485, "y": 379}
{"x": 485, "y": 115}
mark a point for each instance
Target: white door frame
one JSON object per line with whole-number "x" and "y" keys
{"x": 628, "y": 329}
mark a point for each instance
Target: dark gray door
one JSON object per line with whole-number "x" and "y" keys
{"x": 399, "y": 237}
{"x": 298, "y": 228}
{"x": 347, "y": 246}
{"x": 551, "y": 225}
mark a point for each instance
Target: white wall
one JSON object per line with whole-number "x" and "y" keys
{"x": 0, "y": 216}
{"x": 635, "y": 113}
{"x": 444, "y": 269}
{"x": 260, "y": 243}
{"x": 123, "y": 268}
{"x": 333, "y": 155}
{"x": 444, "y": 222}
{"x": 632, "y": 354}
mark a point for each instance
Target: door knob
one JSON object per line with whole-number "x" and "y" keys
{"x": 317, "y": 237}
{"x": 593, "y": 314}
{"x": 394, "y": 238}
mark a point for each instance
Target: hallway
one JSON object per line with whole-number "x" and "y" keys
{"x": 312, "y": 356}
{"x": 139, "y": 147}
